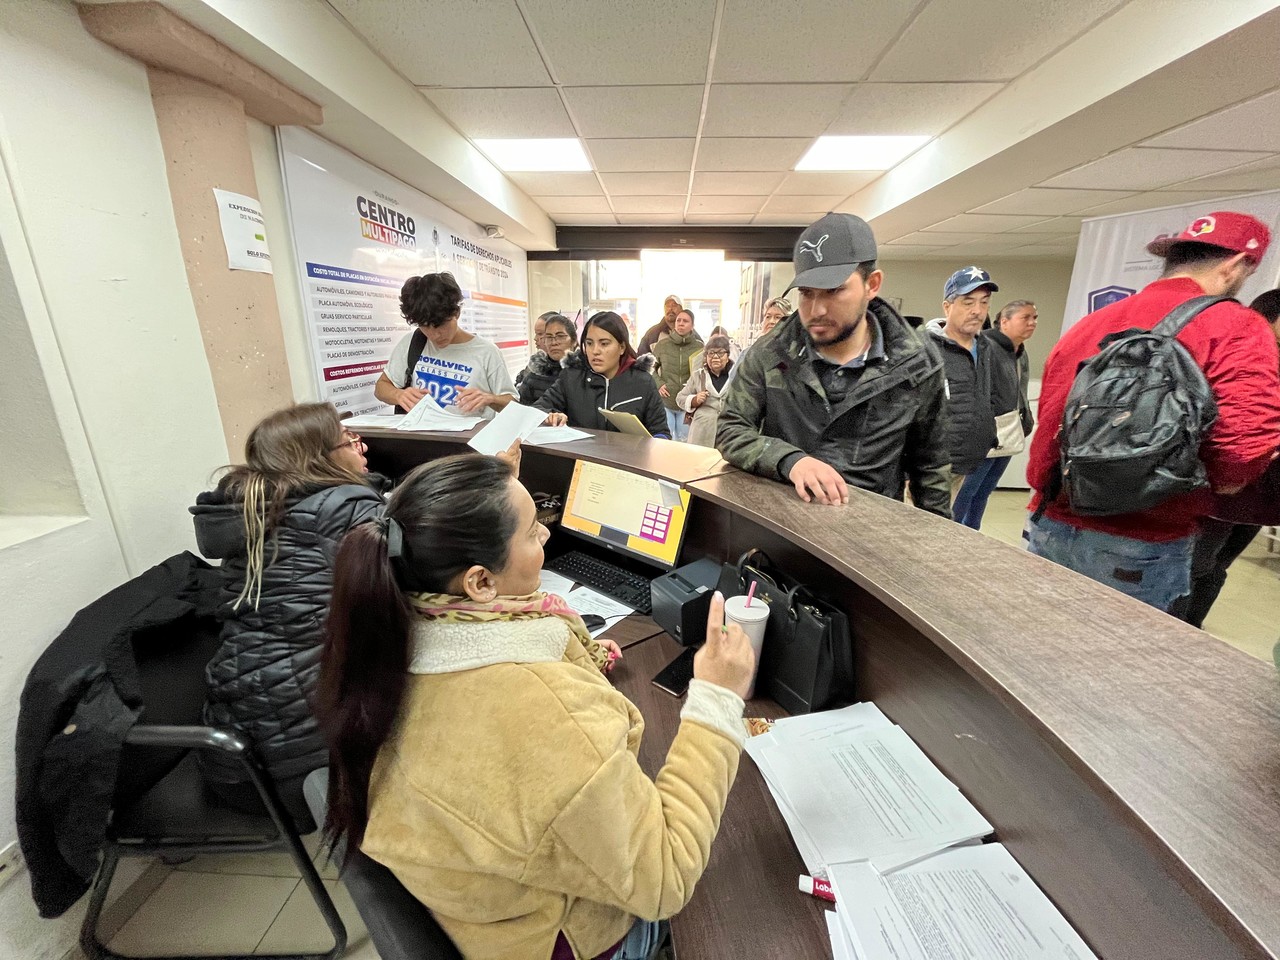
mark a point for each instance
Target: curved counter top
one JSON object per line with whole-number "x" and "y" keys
{"x": 1130, "y": 763}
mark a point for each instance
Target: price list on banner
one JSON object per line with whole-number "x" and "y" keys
{"x": 359, "y": 234}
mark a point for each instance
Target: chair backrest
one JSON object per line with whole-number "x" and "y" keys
{"x": 400, "y": 927}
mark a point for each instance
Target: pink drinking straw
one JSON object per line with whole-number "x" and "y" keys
{"x": 750, "y": 593}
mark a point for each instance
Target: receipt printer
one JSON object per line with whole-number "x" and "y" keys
{"x": 681, "y": 599}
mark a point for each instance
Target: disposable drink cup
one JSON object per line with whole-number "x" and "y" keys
{"x": 752, "y": 620}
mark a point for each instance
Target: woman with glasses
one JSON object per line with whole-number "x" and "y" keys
{"x": 700, "y": 397}
{"x": 275, "y": 522}
{"x": 558, "y": 340}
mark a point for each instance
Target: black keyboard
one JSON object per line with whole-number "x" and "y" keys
{"x": 623, "y": 585}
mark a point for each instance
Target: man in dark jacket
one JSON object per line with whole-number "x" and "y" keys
{"x": 843, "y": 391}
{"x": 670, "y": 307}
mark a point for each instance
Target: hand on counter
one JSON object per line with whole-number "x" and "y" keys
{"x": 556, "y": 420}
{"x": 726, "y": 659}
{"x": 811, "y": 476}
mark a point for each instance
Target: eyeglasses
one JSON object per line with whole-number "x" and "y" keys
{"x": 556, "y": 338}
{"x": 712, "y": 354}
{"x": 352, "y": 440}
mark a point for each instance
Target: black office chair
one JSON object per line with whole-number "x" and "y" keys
{"x": 400, "y": 927}
{"x": 162, "y": 806}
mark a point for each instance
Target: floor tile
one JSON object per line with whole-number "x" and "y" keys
{"x": 204, "y": 913}
{"x": 300, "y": 929}
{"x": 276, "y": 863}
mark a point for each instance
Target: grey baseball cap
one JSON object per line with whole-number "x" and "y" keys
{"x": 829, "y": 249}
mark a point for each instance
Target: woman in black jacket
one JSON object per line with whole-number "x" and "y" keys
{"x": 275, "y": 523}
{"x": 605, "y": 373}
{"x": 558, "y": 340}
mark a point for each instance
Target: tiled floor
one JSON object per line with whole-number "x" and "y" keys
{"x": 256, "y": 903}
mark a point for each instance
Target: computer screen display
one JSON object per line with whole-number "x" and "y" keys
{"x": 628, "y": 513}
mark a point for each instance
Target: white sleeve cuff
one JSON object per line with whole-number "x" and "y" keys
{"x": 716, "y": 707}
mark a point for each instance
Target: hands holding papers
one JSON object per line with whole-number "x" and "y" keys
{"x": 427, "y": 415}
{"x": 515, "y": 423}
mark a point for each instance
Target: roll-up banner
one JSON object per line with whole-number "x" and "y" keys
{"x": 1112, "y": 260}
{"x": 358, "y": 234}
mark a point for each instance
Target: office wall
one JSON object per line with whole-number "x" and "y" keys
{"x": 96, "y": 276}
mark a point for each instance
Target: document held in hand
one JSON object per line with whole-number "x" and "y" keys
{"x": 625, "y": 422}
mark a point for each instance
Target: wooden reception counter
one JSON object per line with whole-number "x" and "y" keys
{"x": 1129, "y": 762}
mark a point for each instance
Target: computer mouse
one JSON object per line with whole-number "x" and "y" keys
{"x": 593, "y": 621}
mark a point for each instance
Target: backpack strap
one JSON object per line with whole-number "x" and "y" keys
{"x": 417, "y": 344}
{"x": 1177, "y": 318}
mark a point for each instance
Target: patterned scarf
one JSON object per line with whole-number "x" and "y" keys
{"x": 450, "y": 609}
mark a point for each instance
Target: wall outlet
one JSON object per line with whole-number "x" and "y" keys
{"x": 10, "y": 862}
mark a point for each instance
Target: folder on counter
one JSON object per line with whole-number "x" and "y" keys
{"x": 625, "y": 422}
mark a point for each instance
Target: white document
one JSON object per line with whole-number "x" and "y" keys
{"x": 871, "y": 796}
{"x": 551, "y": 582}
{"x": 243, "y": 231}
{"x": 971, "y": 902}
{"x": 427, "y": 415}
{"x": 543, "y": 435}
{"x": 841, "y": 948}
{"x": 670, "y": 494}
{"x": 857, "y": 718}
{"x": 584, "y": 600}
{"x": 513, "y": 422}
{"x": 391, "y": 421}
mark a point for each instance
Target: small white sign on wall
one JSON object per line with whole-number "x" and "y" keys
{"x": 243, "y": 231}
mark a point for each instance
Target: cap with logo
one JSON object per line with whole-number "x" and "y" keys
{"x": 1237, "y": 232}
{"x": 967, "y": 280}
{"x": 829, "y": 250}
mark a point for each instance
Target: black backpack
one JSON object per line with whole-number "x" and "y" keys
{"x": 1134, "y": 421}
{"x": 416, "y": 346}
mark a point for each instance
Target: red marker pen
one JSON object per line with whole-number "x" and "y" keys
{"x": 817, "y": 888}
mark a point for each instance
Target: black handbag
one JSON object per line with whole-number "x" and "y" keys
{"x": 807, "y": 660}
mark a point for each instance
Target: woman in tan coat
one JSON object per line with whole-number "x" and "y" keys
{"x": 480, "y": 754}
{"x": 701, "y": 395}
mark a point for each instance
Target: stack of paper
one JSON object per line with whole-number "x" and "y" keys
{"x": 513, "y": 422}
{"x": 427, "y": 415}
{"x": 854, "y": 787}
{"x": 543, "y": 435}
{"x": 969, "y": 902}
{"x": 389, "y": 420}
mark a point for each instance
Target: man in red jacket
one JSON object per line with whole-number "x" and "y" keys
{"x": 1148, "y": 555}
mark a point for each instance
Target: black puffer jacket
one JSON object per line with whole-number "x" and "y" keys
{"x": 971, "y": 417}
{"x": 536, "y": 379}
{"x": 581, "y": 392}
{"x": 267, "y": 667}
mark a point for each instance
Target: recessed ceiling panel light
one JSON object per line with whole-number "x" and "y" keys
{"x": 550, "y": 155}
{"x": 859, "y": 153}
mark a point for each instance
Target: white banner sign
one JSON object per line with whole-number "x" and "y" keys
{"x": 359, "y": 234}
{"x": 1112, "y": 260}
{"x": 242, "y": 231}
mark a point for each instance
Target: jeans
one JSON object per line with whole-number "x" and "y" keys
{"x": 1217, "y": 547}
{"x": 676, "y": 426}
{"x": 642, "y": 940}
{"x": 1155, "y": 573}
{"x": 976, "y": 490}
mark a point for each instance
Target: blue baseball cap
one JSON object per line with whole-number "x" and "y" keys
{"x": 967, "y": 280}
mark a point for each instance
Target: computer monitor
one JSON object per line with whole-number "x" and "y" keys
{"x": 628, "y": 513}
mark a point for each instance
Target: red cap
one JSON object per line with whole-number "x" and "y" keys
{"x": 1231, "y": 231}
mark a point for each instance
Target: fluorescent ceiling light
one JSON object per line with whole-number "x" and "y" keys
{"x": 859, "y": 153}
{"x": 536, "y": 155}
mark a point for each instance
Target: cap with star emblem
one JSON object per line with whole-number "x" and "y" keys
{"x": 967, "y": 280}
{"x": 1237, "y": 232}
{"x": 829, "y": 250}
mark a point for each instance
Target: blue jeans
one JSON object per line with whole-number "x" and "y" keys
{"x": 971, "y": 500}
{"x": 642, "y": 940}
{"x": 1155, "y": 573}
{"x": 676, "y": 426}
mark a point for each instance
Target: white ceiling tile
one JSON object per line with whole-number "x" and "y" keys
{"x": 586, "y": 219}
{"x": 588, "y": 42}
{"x": 924, "y": 240}
{"x": 1047, "y": 202}
{"x": 814, "y": 43}
{"x": 772, "y": 110}
{"x": 814, "y": 182}
{"x": 1143, "y": 168}
{"x": 557, "y": 184}
{"x": 650, "y": 219}
{"x": 725, "y": 184}
{"x": 908, "y": 109}
{"x": 741, "y": 206}
{"x": 1253, "y": 125}
{"x": 1056, "y": 225}
{"x": 633, "y": 205}
{"x": 804, "y": 203}
{"x": 558, "y": 205}
{"x": 892, "y": 253}
{"x": 706, "y": 218}
{"x": 954, "y": 40}
{"x": 765, "y": 219}
{"x": 751, "y": 153}
{"x": 646, "y": 184}
{"x": 1151, "y": 201}
{"x": 611, "y": 156}
{"x": 1259, "y": 175}
{"x": 423, "y": 45}
{"x": 626, "y": 112}
{"x": 503, "y": 112}
{"x": 982, "y": 223}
